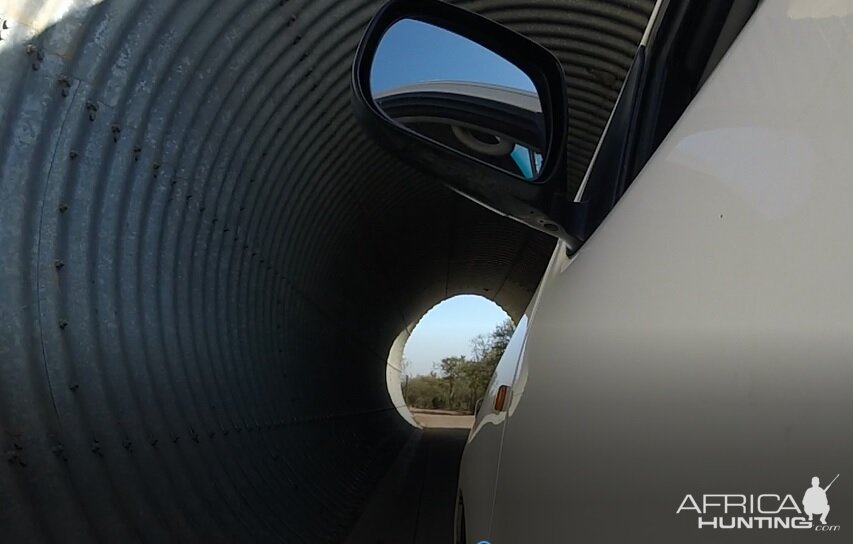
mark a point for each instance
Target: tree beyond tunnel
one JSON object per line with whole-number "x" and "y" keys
{"x": 459, "y": 381}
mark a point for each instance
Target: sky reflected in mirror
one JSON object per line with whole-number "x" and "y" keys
{"x": 415, "y": 52}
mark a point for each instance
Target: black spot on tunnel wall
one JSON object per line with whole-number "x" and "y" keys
{"x": 203, "y": 262}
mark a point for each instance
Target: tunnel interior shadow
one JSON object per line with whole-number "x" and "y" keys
{"x": 203, "y": 263}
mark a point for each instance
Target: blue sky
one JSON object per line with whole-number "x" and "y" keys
{"x": 413, "y": 52}
{"x": 447, "y": 330}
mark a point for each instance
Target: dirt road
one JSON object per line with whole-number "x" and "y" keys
{"x": 442, "y": 419}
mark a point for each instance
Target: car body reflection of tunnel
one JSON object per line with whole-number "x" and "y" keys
{"x": 204, "y": 263}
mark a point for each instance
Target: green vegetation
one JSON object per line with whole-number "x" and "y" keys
{"x": 459, "y": 382}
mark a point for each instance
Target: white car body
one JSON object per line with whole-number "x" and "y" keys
{"x": 701, "y": 343}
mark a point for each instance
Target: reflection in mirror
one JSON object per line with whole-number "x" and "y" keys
{"x": 456, "y": 92}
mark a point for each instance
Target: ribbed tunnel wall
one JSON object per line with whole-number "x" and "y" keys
{"x": 204, "y": 262}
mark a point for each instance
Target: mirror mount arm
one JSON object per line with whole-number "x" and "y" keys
{"x": 574, "y": 218}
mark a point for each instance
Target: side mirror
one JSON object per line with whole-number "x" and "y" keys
{"x": 473, "y": 103}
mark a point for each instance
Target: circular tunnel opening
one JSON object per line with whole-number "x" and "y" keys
{"x": 439, "y": 368}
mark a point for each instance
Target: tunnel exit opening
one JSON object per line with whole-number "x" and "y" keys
{"x": 439, "y": 366}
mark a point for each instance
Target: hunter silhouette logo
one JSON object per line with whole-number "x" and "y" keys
{"x": 762, "y": 511}
{"x": 815, "y": 501}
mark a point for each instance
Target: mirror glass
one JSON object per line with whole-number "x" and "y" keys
{"x": 454, "y": 91}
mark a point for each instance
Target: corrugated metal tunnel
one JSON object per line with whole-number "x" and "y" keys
{"x": 204, "y": 262}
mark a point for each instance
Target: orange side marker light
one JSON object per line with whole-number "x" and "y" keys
{"x": 500, "y": 399}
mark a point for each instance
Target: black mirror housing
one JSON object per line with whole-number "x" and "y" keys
{"x": 539, "y": 203}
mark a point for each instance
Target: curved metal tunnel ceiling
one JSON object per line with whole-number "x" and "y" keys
{"x": 204, "y": 262}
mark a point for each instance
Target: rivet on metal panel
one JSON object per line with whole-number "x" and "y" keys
{"x": 59, "y": 451}
{"x": 64, "y": 84}
{"x": 59, "y": 264}
{"x": 92, "y": 108}
{"x": 14, "y": 458}
{"x": 63, "y": 324}
{"x": 34, "y": 51}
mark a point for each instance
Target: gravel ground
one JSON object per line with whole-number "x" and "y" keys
{"x": 439, "y": 419}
